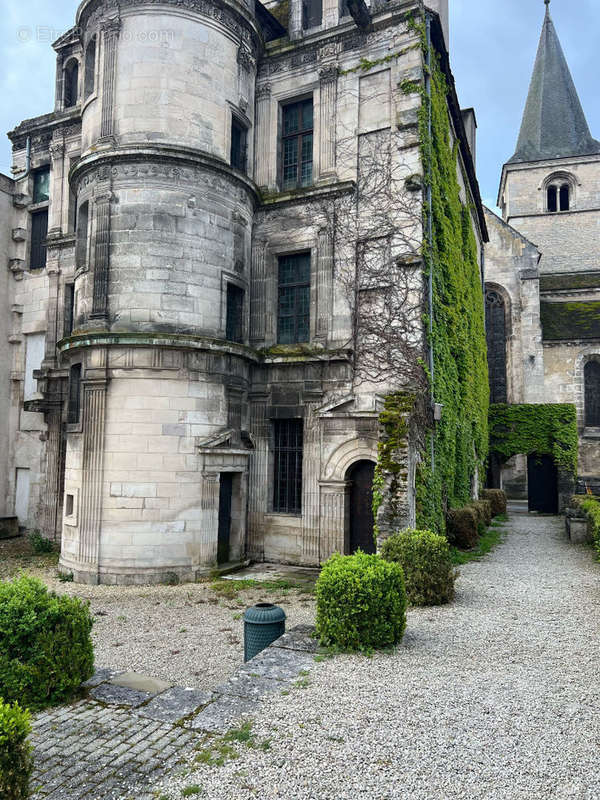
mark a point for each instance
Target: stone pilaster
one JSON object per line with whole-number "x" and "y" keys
{"x": 328, "y": 102}
{"x": 101, "y": 252}
{"x": 209, "y": 504}
{"x": 332, "y": 518}
{"x": 51, "y": 501}
{"x": 90, "y": 510}
{"x": 110, "y": 30}
{"x": 295, "y": 20}
{"x": 324, "y": 286}
{"x": 55, "y": 210}
{"x": 311, "y": 472}
{"x": 258, "y": 498}
{"x": 258, "y": 293}
{"x": 263, "y": 157}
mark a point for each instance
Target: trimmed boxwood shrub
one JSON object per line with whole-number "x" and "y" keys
{"x": 425, "y": 558}
{"x": 497, "y": 499}
{"x": 462, "y": 527}
{"x": 46, "y": 650}
{"x": 361, "y": 602}
{"x": 591, "y": 508}
{"x": 15, "y": 752}
{"x": 483, "y": 509}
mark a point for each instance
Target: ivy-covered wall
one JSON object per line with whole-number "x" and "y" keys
{"x": 548, "y": 429}
{"x": 460, "y": 382}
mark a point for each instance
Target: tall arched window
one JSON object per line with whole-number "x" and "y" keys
{"x": 559, "y": 192}
{"x": 565, "y": 197}
{"x": 90, "y": 67}
{"x": 495, "y": 320}
{"x": 71, "y": 84}
{"x": 82, "y": 235}
{"x": 591, "y": 378}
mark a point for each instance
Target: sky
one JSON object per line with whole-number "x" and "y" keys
{"x": 492, "y": 48}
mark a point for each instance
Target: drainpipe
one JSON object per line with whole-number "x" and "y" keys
{"x": 429, "y": 202}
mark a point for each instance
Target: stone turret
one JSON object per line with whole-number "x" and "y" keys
{"x": 165, "y": 209}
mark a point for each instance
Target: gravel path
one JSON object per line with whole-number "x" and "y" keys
{"x": 187, "y": 635}
{"x": 495, "y": 696}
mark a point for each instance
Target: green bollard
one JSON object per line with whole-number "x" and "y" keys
{"x": 263, "y": 623}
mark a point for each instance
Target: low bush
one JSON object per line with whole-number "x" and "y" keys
{"x": 497, "y": 498}
{"x": 361, "y": 602}
{"x": 39, "y": 544}
{"x": 425, "y": 558}
{"x": 483, "y": 509}
{"x": 15, "y": 752}
{"x": 591, "y": 508}
{"x": 46, "y": 650}
{"x": 461, "y": 527}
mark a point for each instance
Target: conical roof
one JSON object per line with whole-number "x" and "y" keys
{"x": 554, "y": 125}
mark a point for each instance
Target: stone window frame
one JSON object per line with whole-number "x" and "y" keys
{"x": 275, "y": 249}
{"x": 508, "y": 330}
{"x": 287, "y": 97}
{"x": 590, "y": 353}
{"x": 235, "y": 279}
{"x": 559, "y": 178}
{"x": 68, "y": 62}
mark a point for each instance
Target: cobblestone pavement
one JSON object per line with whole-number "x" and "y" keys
{"x": 132, "y": 730}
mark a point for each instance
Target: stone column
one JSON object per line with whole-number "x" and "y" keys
{"x": 258, "y": 294}
{"x": 90, "y": 510}
{"x": 110, "y": 30}
{"x": 56, "y": 211}
{"x": 263, "y": 155}
{"x": 51, "y": 502}
{"x": 328, "y": 92}
{"x": 324, "y": 286}
{"x": 101, "y": 253}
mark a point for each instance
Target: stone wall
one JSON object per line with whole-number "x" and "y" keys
{"x": 6, "y": 226}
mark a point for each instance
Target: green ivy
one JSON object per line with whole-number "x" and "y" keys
{"x": 460, "y": 382}
{"x": 545, "y": 429}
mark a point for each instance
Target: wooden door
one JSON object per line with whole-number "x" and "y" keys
{"x": 542, "y": 482}
{"x": 361, "y": 507}
{"x": 225, "y": 494}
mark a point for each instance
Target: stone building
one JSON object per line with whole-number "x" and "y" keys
{"x": 183, "y": 390}
{"x": 543, "y": 263}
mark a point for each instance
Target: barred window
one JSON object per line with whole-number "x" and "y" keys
{"x": 234, "y": 326}
{"x": 293, "y": 314}
{"x": 74, "y": 394}
{"x": 287, "y": 496}
{"x": 39, "y": 232}
{"x": 297, "y": 143}
{"x": 591, "y": 378}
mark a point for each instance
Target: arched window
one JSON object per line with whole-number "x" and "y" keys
{"x": 90, "y": 67}
{"x": 71, "y": 84}
{"x": 591, "y": 378}
{"x": 559, "y": 192}
{"x": 565, "y": 196}
{"x": 495, "y": 319}
{"x": 552, "y": 199}
{"x": 82, "y": 235}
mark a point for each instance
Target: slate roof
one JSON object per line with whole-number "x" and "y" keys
{"x": 554, "y": 125}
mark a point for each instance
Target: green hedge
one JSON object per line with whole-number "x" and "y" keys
{"x": 15, "y": 752}
{"x": 46, "y": 650}
{"x": 462, "y": 527}
{"x": 497, "y": 499}
{"x": 361, "y": 602}
{"x": 591, "y": 508}
{"x": 483, "y": 509}
{"x": 425, "y": 558}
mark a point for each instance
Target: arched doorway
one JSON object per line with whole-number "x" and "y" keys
{"x": 360, "y": 507}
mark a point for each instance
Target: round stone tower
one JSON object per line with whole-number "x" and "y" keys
{"x": 156, "y": 466}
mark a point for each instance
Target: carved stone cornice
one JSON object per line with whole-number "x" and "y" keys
{"x": 264, "y": 90}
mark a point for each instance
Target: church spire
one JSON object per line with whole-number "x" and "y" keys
{"x": 554, "y": 125}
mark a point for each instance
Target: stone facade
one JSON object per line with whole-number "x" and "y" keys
{"x": 152, "y": 426}
{"x": 545, "y": 364}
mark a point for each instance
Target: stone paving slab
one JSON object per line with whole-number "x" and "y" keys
{"x": 242, "y": 684}
{"x": 175, "y": 704}
{"x": 101, "y": 675}
{"x": 120, "y": 695}
{"x": 298, "y": 638}
{"x": 141, "y": 683}
{"x": 222, "y": 715}
{"x": 278, "y": 663}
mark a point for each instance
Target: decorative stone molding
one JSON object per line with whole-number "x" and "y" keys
{"x": 17, "y": 267}
{"x": 328, "y": 104}
{"x": 19, "y": 234}
{"x": 21, "y": 200}
{"x": 262, "y": 154}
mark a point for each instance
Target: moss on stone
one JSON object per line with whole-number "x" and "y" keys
{"x": 577, "y": 320}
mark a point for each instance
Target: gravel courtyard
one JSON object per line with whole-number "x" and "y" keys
{"x": 495, "y": 696}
